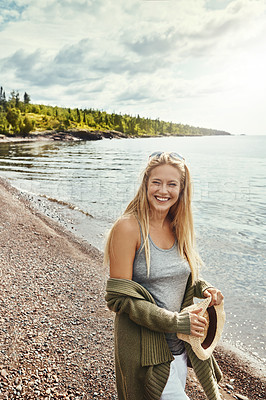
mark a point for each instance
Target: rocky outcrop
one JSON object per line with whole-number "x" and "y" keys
{"x": 85, "y": 135}
{"x": 65, "y": 135}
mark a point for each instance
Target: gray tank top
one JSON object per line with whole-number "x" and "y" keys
{"x": 167, "y": 281}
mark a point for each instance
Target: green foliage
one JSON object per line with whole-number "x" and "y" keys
{"x": 17, "y": 117}
{"x": 26, "y": 126}
{"x": 35, "y": 109}
{"x": 4, "y": 124}
{"x": 13, "y": 116}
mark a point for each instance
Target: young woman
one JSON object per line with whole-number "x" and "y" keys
{"x": 153, "y": 275}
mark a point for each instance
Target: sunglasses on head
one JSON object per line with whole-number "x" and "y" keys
{"x": 172, "y": 155}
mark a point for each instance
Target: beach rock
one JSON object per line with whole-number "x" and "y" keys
{"x": 4, "y": 373}
{"x": 229, "y": 386}
{"x": 241, "y": 397}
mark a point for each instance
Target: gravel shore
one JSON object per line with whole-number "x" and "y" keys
{"x": 56, "y": 338}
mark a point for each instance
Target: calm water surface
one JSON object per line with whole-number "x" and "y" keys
{"x": 229, "y": 175}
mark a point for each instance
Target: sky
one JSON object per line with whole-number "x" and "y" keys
{"x": 195, "y": 62}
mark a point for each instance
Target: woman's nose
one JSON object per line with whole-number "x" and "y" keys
{"x": 163, "y": 188}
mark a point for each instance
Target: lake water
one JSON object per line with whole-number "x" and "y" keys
{"x": 229, "y": 175}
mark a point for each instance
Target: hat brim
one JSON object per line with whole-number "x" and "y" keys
{"x": 215, "y": 315}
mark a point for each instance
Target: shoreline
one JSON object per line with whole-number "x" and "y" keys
{"x": 64, "y": 135}
{"x": 54, "y": 318}
{"x": 84, "y": 135}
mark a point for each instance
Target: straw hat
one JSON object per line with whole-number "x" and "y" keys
{"x": 215, "y": 316}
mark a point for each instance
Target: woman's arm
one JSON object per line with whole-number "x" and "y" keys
{"x": 124, "y": 244}
{"x": 204, "y": 289}
{"x": 199, "y": 288}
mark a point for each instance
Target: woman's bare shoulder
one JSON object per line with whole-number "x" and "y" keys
{"x": 125, "y": 242}
{"x": 127, "y": 224}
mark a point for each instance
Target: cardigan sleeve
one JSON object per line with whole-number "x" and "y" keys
{"x": 149, "y": 315}
{"x": 199, "y": 287}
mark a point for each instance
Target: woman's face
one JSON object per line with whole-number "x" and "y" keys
{"x": 163, "y": 187}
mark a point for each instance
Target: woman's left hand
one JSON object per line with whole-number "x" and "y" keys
{"x": 215, "y": 294}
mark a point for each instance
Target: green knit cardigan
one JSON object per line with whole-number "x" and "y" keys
{"x": 142, "y": 355}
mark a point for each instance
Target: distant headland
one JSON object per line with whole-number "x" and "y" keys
{"x": 22, "y": 121}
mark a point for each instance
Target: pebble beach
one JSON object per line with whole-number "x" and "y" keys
{"x": 56, "y": 337}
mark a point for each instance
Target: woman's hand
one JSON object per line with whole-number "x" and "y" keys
{"x": 197, "y": 323}
{"x": 215, "y": 294}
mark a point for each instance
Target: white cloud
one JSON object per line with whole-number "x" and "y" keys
{"x": 182, "y": 60}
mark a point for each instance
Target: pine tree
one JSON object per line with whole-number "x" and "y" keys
{"x": 17, "y": 100}
{"x": 12, "y": 99}
{"x": 78, "y": 116}
{"x": 26, "y": 98}
{"x": 3, "y": 101}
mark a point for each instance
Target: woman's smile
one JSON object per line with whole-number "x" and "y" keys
{"x": 163, "y": 199}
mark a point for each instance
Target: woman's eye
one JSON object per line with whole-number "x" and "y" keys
{"x": 173, "y": 184}
{"x": 156, "y": 182}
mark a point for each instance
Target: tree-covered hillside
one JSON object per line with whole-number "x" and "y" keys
{"x": 21, "y": 118}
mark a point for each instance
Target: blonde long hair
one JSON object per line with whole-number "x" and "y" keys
{"x": 180, "y": 214}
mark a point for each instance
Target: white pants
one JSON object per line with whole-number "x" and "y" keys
{"x": 175, "y": 386}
